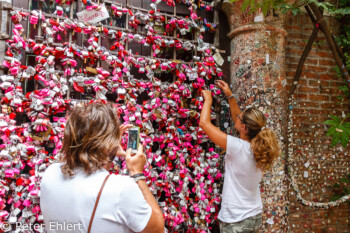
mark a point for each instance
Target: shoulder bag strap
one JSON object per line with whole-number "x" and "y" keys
{"x": 97, "y": 200}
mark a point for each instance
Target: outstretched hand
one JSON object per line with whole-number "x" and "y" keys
{"x": 224, "y": 87}
{"x": 207, "y": 95}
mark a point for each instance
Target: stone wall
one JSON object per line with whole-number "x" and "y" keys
{"x": 258, "y": 80}
{"x": 263, "y": 62}
{"x": 318, "y": 166}
{"x": 257, "y": 70}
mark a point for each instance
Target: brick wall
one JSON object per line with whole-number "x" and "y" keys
{"x": 315, "y": 99}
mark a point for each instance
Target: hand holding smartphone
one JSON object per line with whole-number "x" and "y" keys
{"x": 134, "y": 139}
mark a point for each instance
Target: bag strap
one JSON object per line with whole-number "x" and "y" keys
{"x": 97, "y": 200}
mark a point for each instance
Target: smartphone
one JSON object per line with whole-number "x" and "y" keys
{"x": 134, "y": 139}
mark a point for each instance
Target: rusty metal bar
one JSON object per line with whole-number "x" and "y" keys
{"x": 324, "y": 28}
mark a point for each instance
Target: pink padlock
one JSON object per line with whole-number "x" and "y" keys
{"x": 34, "y": 192}
{"x": 26, "y": 203}
{"x": 33, "y": 19}
{"x": 36, "y": 209}
{"x": 3, "y": 214}
{"x": 9, "y": 173}
{"x": 17, "y": 204}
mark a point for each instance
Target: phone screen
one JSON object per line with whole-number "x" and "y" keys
{"x": 133, "y": 139}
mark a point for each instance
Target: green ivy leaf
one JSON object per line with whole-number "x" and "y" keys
{"x": 330, "y": 122}
{"x": 335, "y": 139}
{"x": 331, "y": 131}
{"x": 253, "y": 5}
{"x": 346, "y": 11}
{"x": 346, "y": 190}
{"x": 265, "y": 8}
{"x": 245, "y": 5}
{"x": 295, "y": 11}
{"x": 344, "y": 140}
{"x": 344, "y": 180}
{"x": 346, "y": 130}
{"x": 336, "y": 119}
{"x": 343, "y": 88}
{"x": 335, "y": 197}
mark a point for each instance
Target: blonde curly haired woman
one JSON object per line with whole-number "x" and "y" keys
{"x": 245, "y": 160}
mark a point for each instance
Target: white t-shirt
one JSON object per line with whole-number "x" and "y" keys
{"x": 241, "y": 194}
{"x": 67, "y": 202}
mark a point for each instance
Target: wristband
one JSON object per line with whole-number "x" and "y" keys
{"x": 230, "y": 97}
{"x": 140, "y": 178}
{"x": 137, "y": 175}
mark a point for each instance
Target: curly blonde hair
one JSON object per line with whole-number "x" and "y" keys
{"x": 263, "y": 141}
{"x": 91, "y": 137}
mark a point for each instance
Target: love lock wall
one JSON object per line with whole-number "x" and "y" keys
{"x": 259, "y": 79}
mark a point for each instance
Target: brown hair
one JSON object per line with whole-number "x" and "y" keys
{"x": 263, "y": 141}
{"x": 91, "y": 137}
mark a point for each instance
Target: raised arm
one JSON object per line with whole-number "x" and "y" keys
{"x": 234, "y": 109}
{"x": 214, "y": 133}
